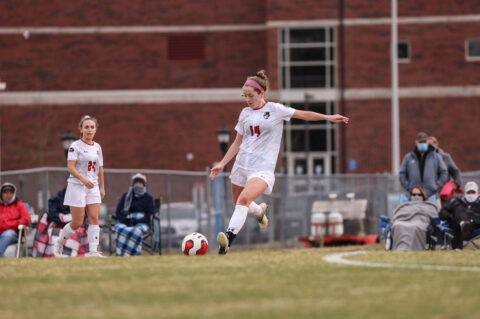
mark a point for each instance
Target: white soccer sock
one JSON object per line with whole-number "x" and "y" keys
{"x": 255, "y": 209}
{"x": 93, "y": 234}
{"x": 238, "y": 219}
{"x": 66, "y": 233}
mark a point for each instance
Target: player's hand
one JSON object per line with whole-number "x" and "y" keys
{"x": 338, "y": 118}
{"x": 215, "y": 170}
{"x": 89, "y": 184}
{"x": 102, "y": 193}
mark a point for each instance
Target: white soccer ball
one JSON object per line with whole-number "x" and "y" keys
{"x": 194, "y": 244}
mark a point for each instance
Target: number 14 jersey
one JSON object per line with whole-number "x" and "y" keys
{"x": 89, "y": 159}
{"x": 262, "y": 130}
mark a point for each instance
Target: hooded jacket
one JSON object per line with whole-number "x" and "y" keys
{"x": 428, "y": 172}
{"x": 13, "y": 213}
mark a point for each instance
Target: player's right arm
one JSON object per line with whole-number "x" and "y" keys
{"x": 232, "y": 151}
{"x": 73, "y": 170}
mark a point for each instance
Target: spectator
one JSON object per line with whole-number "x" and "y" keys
{"x": 453, "y": 170}
{"x": 423, "y": 167}
{"x": 12, "y": 214}
{"x": 51, "y": 224}
{"x": 411, "y": 220}
{"x": 133, "y": 214}
{"x": 463, "y": 214}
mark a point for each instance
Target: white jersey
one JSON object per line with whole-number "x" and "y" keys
{"x": 262, "y": 134}
{"x": 89, "y": 159}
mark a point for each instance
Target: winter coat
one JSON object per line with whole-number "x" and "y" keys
{"x": 435, "y": 173}
{"x": 13, "y": 215}
{"x": 143, "y": 204}
{"x": 453, "y": 170}
{"x": 459, "y": 209}
{"x": 57, "y": 212}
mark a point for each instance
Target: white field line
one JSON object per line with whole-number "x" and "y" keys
{"x": 339, "y": 259}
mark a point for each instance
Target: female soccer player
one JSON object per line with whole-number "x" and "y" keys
{"x": 86, "y": 187}
{"x": 259, "y": 134}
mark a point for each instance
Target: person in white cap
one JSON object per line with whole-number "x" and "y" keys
{"x": 463, "y": 213}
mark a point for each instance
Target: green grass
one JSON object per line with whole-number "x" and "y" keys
{"x": 293, "y": 283}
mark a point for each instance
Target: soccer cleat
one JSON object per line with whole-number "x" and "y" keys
{"x": 263, "y": 220}
{"x": 95, "y": 254}
{"x": 223, "y": 243}
{"x": 58, "y": 249}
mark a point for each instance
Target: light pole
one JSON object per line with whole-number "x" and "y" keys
{"x": 223, "y": 137}
{"x": 67, "y": 139}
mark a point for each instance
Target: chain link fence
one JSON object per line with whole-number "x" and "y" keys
{"x": 190, "y": 201}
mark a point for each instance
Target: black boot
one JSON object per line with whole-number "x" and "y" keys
{"x": 225, "y": 241}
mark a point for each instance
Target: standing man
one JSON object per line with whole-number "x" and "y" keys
{"x": 423, "y": 167}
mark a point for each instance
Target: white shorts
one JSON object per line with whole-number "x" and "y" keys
{"x": 80, "y": 196}
{"x": 240, "y": 176}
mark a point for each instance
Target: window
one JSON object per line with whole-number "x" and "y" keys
{"x": 472, "y": 49}
{"x": 403, "y": 51}
{"x": 186, "y": 47}
{"x": 307, "y": 58}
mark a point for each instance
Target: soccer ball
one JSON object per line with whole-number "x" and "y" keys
{"x": 194, "y": 244}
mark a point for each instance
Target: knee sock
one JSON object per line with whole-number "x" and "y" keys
{"x": 255, "y": 209}
{"x": 93, "y": 234}
{"x": 66, "y": 233}
{"x": 238, "y": 219}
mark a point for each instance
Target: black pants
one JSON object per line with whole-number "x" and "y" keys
{"x": 457, "y": 241}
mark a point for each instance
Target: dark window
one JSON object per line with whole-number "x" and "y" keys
{"x": 403, "y": 51}
{"x": 473, "y": 48}
{"x": 307, "y": 76}
{"x": 186, "y": 47}
{"x": 307, "y": 35}
{"x": 298, "y": 141}
{"x": 307, "y": 54}
{"x": 318, "y": 140}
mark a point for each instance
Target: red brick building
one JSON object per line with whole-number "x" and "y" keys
{"x": 163, "y": 76}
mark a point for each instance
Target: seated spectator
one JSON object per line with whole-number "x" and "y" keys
{"x": 50, "y": 226}
{"x": 12, "y": 214}
{"x": 411, "y": 220}
{"x": 133, "y": 214}
{"x": 463, "y": 214}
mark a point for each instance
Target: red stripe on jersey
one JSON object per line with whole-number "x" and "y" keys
{"x": 87, "y": 143}
{"x": 261, "y": 106}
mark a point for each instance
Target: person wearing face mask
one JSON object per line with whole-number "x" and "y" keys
{"x": 133, "y": 214}
{"x": 463, "y": 214}
{"x": 423, "y": 167}
{"x": 411, "y": 220}
{"x": 12, "y": 214}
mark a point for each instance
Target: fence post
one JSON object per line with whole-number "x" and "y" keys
{"x": 208, "y": 185}
{"x": 169, "y": 239}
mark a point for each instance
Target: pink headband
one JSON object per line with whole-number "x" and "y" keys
{"x": 254, "y": 84}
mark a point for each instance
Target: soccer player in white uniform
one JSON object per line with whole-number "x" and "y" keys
{"x": 86, "y": 187}
{"x": 259, "y": 134}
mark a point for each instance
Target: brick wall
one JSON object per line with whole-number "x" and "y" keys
{"x": 131, "y": 136}
{"x": 449, "y": 119}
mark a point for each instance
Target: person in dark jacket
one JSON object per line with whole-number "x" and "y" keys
{"x": 51, "y": 224}
{"x": 453, "y": 170}
{"x": 133, "y": 215}
{"x": 12, "y": 214}
{"x": 463, "y": 214}
{"x": 423, "y": 167}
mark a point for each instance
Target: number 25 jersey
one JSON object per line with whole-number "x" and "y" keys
{"x": 262, "y": 130}
{"x": 89, "y": 159}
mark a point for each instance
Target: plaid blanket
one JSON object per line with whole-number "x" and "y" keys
{"x": 47, "y": 233}
{"x": 129, "y": 238}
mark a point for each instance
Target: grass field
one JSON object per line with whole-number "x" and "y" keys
{"x": 294, "y": 283}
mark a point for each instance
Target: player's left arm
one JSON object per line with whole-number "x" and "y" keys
{"x": 314, "y": 116}
{"x": 101, "y": 182}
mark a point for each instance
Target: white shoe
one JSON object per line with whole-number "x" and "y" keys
{"x": 95, "y": 254}
{"x": 58, "y": 249}
{"x": 222, "y": 241}
{"x": 263, "y": 220}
